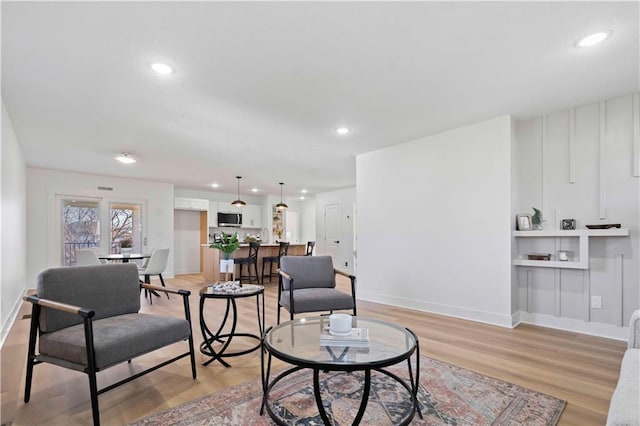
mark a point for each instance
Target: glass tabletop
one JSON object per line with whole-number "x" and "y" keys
{"x": 215, "y": 290}
{"x": 298, "y": 342}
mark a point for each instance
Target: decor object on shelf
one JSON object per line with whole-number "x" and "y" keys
{"x": 281, "y": 205}
{"x": 536, "y": 219}
{"x": 563, "y": 255}
{"x": 539, "y": 256}
{"x": 238, "y": 202}
{"x": 126, "y": 246}
{"x": 523, "y": 222}
{"x": 568, "y": 224}
{"x": 604, "y": 226}
{"x": 227, "y": 245}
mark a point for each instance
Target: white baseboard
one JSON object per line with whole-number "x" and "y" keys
{"x": 598, "y": 329}
{"x": 510, "y": 321}
{"x": 6, "y": 327}
{"x": 436, "y": 308}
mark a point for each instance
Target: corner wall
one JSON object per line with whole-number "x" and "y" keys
{"x": 433, "y": 223}
{"x": 13, "y": 233}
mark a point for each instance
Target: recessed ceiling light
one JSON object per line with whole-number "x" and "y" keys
{"x": 254, "y": 189}
{"x": 593, "y": 39}
{"x": 302, "y": 198}
{"x": 304, "y": 191}
{"x": 125, "y": 158}
{"x": 215, "y": 185}
{"x": 343, "y": 130}
{"x": 161, "y": 68}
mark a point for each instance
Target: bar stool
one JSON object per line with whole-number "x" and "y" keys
{"x": 310, "y": 246}
{"x": 250, "y": 260}
{"x": 283, "y": 248}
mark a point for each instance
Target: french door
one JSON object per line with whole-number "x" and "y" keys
{"x": 98, "y": 223}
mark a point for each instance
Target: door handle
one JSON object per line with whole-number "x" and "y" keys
{"x": 337, "y": 242}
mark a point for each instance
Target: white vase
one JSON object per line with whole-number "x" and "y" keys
{"x": 126, "y": 251}
{"x": 226, "y": 266}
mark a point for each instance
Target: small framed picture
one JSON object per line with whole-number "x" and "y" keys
{"x": 523, "y": 222}
{"x": 566, "y": 224}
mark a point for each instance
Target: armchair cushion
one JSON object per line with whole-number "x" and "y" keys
{"x": 107, "y": 289}
{"x": 116, "y": 339}
{"x": 308, "y": 271}
{"x": 317, "y": 299}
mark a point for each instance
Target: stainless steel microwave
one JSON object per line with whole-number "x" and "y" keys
{"x": 230, "y": 219}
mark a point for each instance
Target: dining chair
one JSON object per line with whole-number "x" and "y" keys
{"x": 156, "y": 266}
{"x": 249, "y": 261}
{"x": 87, "y": 257}
{"x": 310, "y": 246}
{"x": 283, "y": 249}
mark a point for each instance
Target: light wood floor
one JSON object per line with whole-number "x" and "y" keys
{"x": 580, "y": 369}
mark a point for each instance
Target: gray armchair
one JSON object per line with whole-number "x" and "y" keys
{"x": 308, "y": 284}
{"x": 86, "y": 319}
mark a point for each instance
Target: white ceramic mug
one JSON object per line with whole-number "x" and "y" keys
{"x": 340, "y": 323}
{"x": 563, "y": 255}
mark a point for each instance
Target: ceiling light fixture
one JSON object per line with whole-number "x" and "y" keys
{"x": 281, "y": 205}
{"x": 161, "y": 68}
{"x": 343, "y": 130}
{"x": 238, "y": 202}
{"x": 125, "y": 158}
{"x": 254, "y": 189}
{"x": 304, "y": 191}
{"x": 593, "y": 39}
{"x": 215, "y": 185}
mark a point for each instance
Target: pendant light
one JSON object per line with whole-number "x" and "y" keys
{"x": 238, "y": 202}
{"x": 281, "y": 205}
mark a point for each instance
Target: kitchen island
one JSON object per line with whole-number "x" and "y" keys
{"x": 211, "y": 258}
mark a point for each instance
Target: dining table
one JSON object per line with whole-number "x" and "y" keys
{"x": 124, "y": 258}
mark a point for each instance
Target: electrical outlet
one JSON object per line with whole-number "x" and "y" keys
{"x": 596, "y": 302}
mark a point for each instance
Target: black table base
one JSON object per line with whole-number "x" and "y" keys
{"x": 210, "y": 338}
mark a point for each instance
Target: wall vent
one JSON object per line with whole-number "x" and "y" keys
{"x": 105, "y": 188}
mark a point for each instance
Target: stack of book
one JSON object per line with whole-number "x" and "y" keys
{"x": 357, "y": 338}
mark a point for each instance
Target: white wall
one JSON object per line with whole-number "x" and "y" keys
{"x": 561, "y": 298}
{"x": 13, "y": 233}
{"x": 433, "y": 225}
{"x": 346, "y": 198}
{"x": 186, "y": 234}
{"x": 44, "y": 184}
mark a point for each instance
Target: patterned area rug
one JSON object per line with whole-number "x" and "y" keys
{"x": 448, "y": 395}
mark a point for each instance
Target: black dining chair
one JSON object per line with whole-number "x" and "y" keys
{"x": 283, "y": 249}
{"x": 249, "y": 261}
{"x": 310, "y": 246}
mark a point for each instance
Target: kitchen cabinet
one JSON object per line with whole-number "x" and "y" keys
{"x": 226, "y": 207}
{"x": 213, "y": 214}
{"x": 252, "y": 216}
{"x": 180, "y": 203}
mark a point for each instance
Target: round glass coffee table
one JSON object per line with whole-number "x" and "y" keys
{"x": 297, "y": 342}
{"x": 222, "y": 337}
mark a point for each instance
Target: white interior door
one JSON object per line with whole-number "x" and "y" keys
{"x": 292, "y": 223}
{"x": 186, "y": 241}
{"x": 332, "y": 230}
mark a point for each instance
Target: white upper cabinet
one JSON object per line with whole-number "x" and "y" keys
{"x": 252, "y": 216}
{"x": 190, "y": 204}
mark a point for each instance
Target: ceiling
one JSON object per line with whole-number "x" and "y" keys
{"x": 260, "y": 87}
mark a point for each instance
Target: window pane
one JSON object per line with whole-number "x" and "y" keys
{"x": 125, "y": 225}
{"x": 80, "y": 228}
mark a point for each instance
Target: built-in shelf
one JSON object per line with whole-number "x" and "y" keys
{"x": 583, "y": 236}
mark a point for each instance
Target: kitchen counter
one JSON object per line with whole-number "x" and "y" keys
{"x": 211, "y": 257}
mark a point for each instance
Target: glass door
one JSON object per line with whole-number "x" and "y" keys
{"x": 125, "y": 224}
{"x": 80, "y": 227}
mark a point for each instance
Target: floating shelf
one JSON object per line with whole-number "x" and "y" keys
{"x": 583, "y": 236}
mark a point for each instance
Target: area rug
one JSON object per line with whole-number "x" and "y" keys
{"x": 448, "y": 395}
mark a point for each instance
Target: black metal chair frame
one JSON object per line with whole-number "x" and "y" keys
{"x": 292, "y": 288}
{"x": 251, "y": 259}
{"x": 310, "y": 246}
{"x": 91, "y": 369}
{"x": 283, "y": 249}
